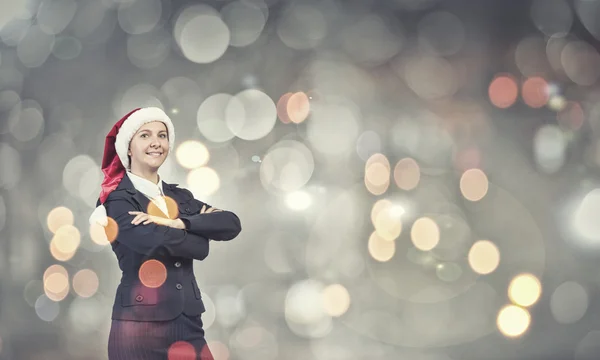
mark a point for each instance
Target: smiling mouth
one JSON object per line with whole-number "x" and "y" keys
{"x": 154, "y": 154}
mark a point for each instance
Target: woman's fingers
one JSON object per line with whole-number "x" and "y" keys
{"x": 139, "y": 218}
{"x": 146, "y": 219}
{"x": 203, "y": 209}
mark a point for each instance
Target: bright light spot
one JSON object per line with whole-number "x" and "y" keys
{"x": 337, "y": 300}
{"x": 407, "y": 174}
{"x": 474, "y": 184}
{"x": 181, "y": 350}
{"x": 524, "y": 290}
{"x": 381, "y": 249}
{"x": 192, "y": 154}
{"x": 425, "y": 234}
{"x": 503, "y": 91}
{"x": 152, "y": 273}
{"x": 379, "y": 206}
{"x": 484, "y": 257}
{"x": 85, "y": 283}
{"x": 377, "y": 174}
{"x": 172, "y": 208}
{"x": 557, "y": 102}
{"x": 535, "y": 92}
{"x": 203, "y": 181}
{"x": 104, "y": 235}
{"x": 282, "y": 109}
{"x": 585, "y": 219}
{"x": 56, "y": 282}
{"x": 67, "y": 239}
{"x": 298, "y": 200}
{"x": 203, "y": 39}
{"x": 287, "y": 166}
{"x": 210, "y": 118}
{"x": 298, "y": 107}
{"x": 550, "y": 146}
{"x": 58, "y": 217}
{"x": 304, "y": 302}
{"x": 251, "y": 114}
{"x": 513, "y": 321}
{"x": 388, "y": 223}
{"x": 59, "y": 255}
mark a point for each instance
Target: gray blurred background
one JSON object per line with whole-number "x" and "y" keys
{"x": 416, "y": 179}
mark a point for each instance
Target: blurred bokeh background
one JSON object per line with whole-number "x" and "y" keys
{"x": 416, "y": 179}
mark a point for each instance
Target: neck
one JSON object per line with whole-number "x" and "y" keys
{"x": 148, "y": 174}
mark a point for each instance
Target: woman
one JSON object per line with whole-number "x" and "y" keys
{"x": 159, "y": 229}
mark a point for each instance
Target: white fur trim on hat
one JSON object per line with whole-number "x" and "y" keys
{"x": 99, "y": 216}
{"x": 133, "y": 124}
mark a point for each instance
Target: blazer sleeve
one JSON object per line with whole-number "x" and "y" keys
{"x": 222, "y": 225}
{"x": 147, "y": 239}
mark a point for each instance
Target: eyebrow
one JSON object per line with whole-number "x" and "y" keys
{"x": 146, "y": 130}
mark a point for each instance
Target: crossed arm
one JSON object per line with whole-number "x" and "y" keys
{"x": 209, "y": 222}
{"x": 215, "y": 225}
{"x": 147, "y": 239}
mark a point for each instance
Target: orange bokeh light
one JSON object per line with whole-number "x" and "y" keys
{"x": 407, "y": 174}
{"x": 172, "y": 208}
{"x": 103, "y": 235}
{"x": 181, "y": 350}
{"x": 503, "y": 91}
{"x": 85, "y": 283}
{"x": 152, "y": 273}
{"x": 535, "y": 92}
{"x": 298, "y": 107}
{"x": 282, "y": 108}
{"x": 377, "y": 174}
{"x": 58, "y": 217}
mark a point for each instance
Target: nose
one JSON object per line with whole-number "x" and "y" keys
{"x": 155, "y": 143}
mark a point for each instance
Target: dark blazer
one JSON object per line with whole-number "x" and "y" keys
{"x": 174, "y": 248}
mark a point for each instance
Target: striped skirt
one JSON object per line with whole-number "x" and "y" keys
{"x": 178, "y": 339}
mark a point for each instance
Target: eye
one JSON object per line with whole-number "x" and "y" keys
{"x": 163, "y": 136}
{"x": 143, "y": 135}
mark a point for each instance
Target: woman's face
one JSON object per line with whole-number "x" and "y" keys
{"x": 149, "y": 146}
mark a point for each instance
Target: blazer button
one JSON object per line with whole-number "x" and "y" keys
{"x": 179, "y": 286}
{"x": 187, "y": 209}
{"x": 177, "y": 264}
{"x": 139, "y": 298}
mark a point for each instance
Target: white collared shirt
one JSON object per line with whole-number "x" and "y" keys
{"x": 153, "y": 191}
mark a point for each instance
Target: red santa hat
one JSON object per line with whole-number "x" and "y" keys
{"x": 115, "y": 161}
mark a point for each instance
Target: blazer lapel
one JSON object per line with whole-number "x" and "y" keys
{"x": 140, "y": 199}
{"x": 168, "y": 190}
{"x": 143, "y": 202}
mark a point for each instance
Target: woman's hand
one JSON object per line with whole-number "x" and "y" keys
{"x": 204, "y": 210}
{"x": 141, "y": 217}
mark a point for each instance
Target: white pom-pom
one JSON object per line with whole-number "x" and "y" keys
{"x": 99, "y": 216}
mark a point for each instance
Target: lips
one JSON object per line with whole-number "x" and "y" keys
{"x": 154, "y": 153}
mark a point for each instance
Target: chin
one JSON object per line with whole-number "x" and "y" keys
{"x": 155, "y": 165}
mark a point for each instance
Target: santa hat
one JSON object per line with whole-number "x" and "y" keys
{"x": 115, "y": 161}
